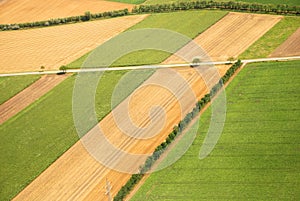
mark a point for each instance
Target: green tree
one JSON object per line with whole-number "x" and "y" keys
{"x": 63, "y": 69}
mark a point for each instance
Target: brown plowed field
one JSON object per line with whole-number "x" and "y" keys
{"x": 231, "y": 36}
{"x": 291, "y": 47}
{"x": 76, "y": 176}
{"x": 28, "y": 50}
{"x": 29, "y": 95}
{"x": 19, "y": 11}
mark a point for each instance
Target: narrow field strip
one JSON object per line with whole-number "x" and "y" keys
{"x": 27, "y": 96}
{"x": 267, "y": 44}
{"x": 256, "y": 158}
{"x": 10, "y": 86}
{"x": 290, "y": 47}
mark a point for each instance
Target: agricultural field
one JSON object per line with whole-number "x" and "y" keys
{"x": 288, "y": 2}
{"x": 257, "y": 156}
{"x": 28, "y": 95}
{"x": 46, "y": 149}
{"x": 54, "y": 46}
{"x": 10, "y": 86}
{"x": 220, "y": 40}
{"x": 290, "y": 47}
{"x": 16, "y": 11}
{"x": 190, "y": 26}
{"x": 53, "y": 133}
{"x": 268, "y": 43}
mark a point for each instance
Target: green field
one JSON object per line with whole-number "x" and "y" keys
{"x": 188, "y": 23}
{"x": 37, "y": 136}
{"x": 10, "y": 86}
{"x": 258, "y": 154}
{"x": 288, "y": 2}
{"x": 263, "y": 47}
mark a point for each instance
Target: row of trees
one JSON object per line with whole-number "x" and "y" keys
{"x": 74, "y": 19}
{"x": 177, "y": 130}
{"x": 232, "y": 6}
{"x": 235, "y": 6}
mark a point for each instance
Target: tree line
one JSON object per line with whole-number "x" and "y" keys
{"x": 177, "y": 130}
{"x": 281, "y": 9}
{"x": 67, "y": 20}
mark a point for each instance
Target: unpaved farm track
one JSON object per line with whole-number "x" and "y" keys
{"x": 28, "y": 50}
{"x": 231, "y": 36}
{"x": 291, "y": 47}
{"x": 30, "y": 94}
{"x": 19, "y": 11}
{"x": 77, "y": 176}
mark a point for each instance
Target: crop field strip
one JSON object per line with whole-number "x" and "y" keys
{"x": 10, "y": 86}
{"x": 60, "y": 125}
{"x": 231, "y": 35}
{"x": 290, "y": 47}
{"x": 55, "y": 46}
{"x": 21, "y": 100}
{"x": 16, "y": 11}
{"x": 275, "y": 37}
{"x": 257, "y": 155}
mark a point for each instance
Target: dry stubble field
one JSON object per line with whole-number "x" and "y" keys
{"x": 17, "y": 11}
{"x": 231, "y": 36}
{"x": 28, "y": 50}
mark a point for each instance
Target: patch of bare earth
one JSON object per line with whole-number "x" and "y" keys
{"x": 28, "y": 50}
{"x": 291, "y": 47}
{"x": 20, "y": 11}
{"x": 23, "y": 99}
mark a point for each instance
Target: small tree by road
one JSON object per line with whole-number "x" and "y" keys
{"x": 196, "y": 61}
{"x": 63, "y": 69}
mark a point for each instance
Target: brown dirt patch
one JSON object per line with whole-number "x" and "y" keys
{"x": 291, "y": 47}
{"x": 231, "y": 36}
{"x": 23, "y": 99}
{"x": 28, "y": 50}
{"x": 19, "y": 11}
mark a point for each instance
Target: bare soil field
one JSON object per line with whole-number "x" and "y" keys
{"x": 77, "y": 176}
{"x": 231, "y": 36}
{"x": 23, "y": 99}
{"x": 291, "y": 47}
{"x": 28, "y": 50}
{"x": 17, "y": 11}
